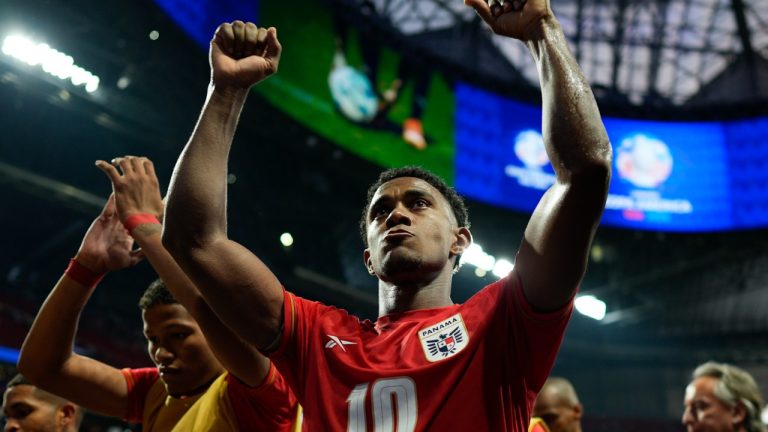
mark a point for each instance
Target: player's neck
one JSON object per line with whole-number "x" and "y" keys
{"x": 398, "y": 298}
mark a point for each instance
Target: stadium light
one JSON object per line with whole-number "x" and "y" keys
{"x": 286, "y": 239}
{"x": 590, "y": 306}
{"x": 475, "y": 255}
{"x": 53, "y": 62}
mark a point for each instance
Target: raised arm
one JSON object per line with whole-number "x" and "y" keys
{"x": 47, "y": 358}
{"x": 553, "y": 256}
{"x": 235, "y": 283}
{"x": 137, "y": 195}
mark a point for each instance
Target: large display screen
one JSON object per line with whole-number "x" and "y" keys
{"x": 669, "y": 176}
{"x": 349, "y": 85}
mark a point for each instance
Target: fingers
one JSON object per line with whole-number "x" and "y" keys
{"x": 149, "y": 167}
{"x": 137, "y": 164}
{"x": 238, "y": 46}
{"x": 482, "y": 8}
{"x": 251, "y": 39}
{"x": 224, "y": 38}
{"x": 515, "y": 5}
{"x": 129, "y": 165}
{"x": 273, "y": 49}
{"x": 125, "y": 165}
{"x": 109, "y": 170}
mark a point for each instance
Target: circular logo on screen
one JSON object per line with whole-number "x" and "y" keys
{"x": 353, "y": 94}
{"x": 644, "y": 161}
{"x": 529, "y": 148}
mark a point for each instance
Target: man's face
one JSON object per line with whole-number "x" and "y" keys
{"x": 179, "y": 350}
{"x": 412, "y": 232}
{"x": 24, "y": 411}
{"x": 556, "y": 413}
{"x": 704, "y": 412}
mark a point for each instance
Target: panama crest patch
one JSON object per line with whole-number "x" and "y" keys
{"x": 444, "y": 339}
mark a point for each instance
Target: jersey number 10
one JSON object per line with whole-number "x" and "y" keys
{"x": 392, "y": 399}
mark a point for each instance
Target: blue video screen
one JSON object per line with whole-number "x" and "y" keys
{"x": 200, "y": 18}
{"x": 668, "y": 176}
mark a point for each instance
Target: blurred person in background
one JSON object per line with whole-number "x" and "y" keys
{"x": 558, "y": 406}
{"x": 27, "y": 408}
{"x": 722, "y": 398}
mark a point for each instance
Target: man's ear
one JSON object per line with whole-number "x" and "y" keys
{"x": 463, "y": 238}
{"x": 578, "y": 410}
{"x": 367, "y": 261}
{"x": 739, "y": 413}
{"x": 66, "y": 415}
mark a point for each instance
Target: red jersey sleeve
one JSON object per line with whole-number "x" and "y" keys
{"x": 291, "y": 355}
{"x": 271, "y": 406}
{"x": 139, "y": 382}
{"x": 539, "y": 335}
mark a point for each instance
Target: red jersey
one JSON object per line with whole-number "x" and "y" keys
{"x": 476, "y": 366}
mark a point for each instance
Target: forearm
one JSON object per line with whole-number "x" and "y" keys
{"x": 238, "y": 357}
{"x": 573, "y": 131}
{"x": 196, "y": 202}
{"x": 50, "y": 341}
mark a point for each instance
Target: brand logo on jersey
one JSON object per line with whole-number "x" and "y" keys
{"x": 444, "y": 339}
{"x": 336, "y": 342}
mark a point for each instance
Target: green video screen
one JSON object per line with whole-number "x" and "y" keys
{"x": 352, "y": 87}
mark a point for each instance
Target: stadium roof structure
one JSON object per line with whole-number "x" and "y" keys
{"x": 643, "y": 58}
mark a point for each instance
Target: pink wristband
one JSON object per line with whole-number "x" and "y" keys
{"x": 82, "y": 274}
{"x": 132, "y": 221}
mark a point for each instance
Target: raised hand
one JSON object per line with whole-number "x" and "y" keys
{"x": 107, "y": 246}
{"x": 243, "y": 54}
{"x": 137, "y": 190}
{"x": 513, "y": 18}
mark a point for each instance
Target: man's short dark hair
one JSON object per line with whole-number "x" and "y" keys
{"x": 454, "y": 199}
{"x": 157, "y": 293}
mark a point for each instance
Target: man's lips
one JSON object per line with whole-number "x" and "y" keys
{"x": 397, "y": 234}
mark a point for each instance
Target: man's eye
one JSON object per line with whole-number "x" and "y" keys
{"x": 179, "y": 336}
{"x": 421, "y": 203}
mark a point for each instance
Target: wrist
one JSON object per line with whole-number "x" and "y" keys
{"x": 83, "y": 273}
{"x": 542, "y": 29}
{"x": 135, "y": 220}
{"x": 227, "y": 92}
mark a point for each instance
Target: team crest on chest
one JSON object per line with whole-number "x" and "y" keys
{"x": 444, "y": 339}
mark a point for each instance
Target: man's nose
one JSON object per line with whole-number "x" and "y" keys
{"x": 687, "y": 417}
{"x": 162, "y": 355}
{"x": 11, "y": 425}
{"x": 398, "y": 216}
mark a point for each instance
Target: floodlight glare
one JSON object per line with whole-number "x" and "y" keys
{"x": 475, "y": 255}
{"x": 53, "y": 62}
{"x": 502, "y": 267}
{"x": 590, "y": 306}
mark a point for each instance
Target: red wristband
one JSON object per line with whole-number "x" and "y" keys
{"x": 132, "y": 221}
{"x": 82, "y": 274}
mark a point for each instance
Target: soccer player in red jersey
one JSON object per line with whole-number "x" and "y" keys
{"x": 426, "y": 363}
{"x": 206, "y": 378}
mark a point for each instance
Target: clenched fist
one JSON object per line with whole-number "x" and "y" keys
{"x": 513, "y": 18}
{"x": 243, "y": 54}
